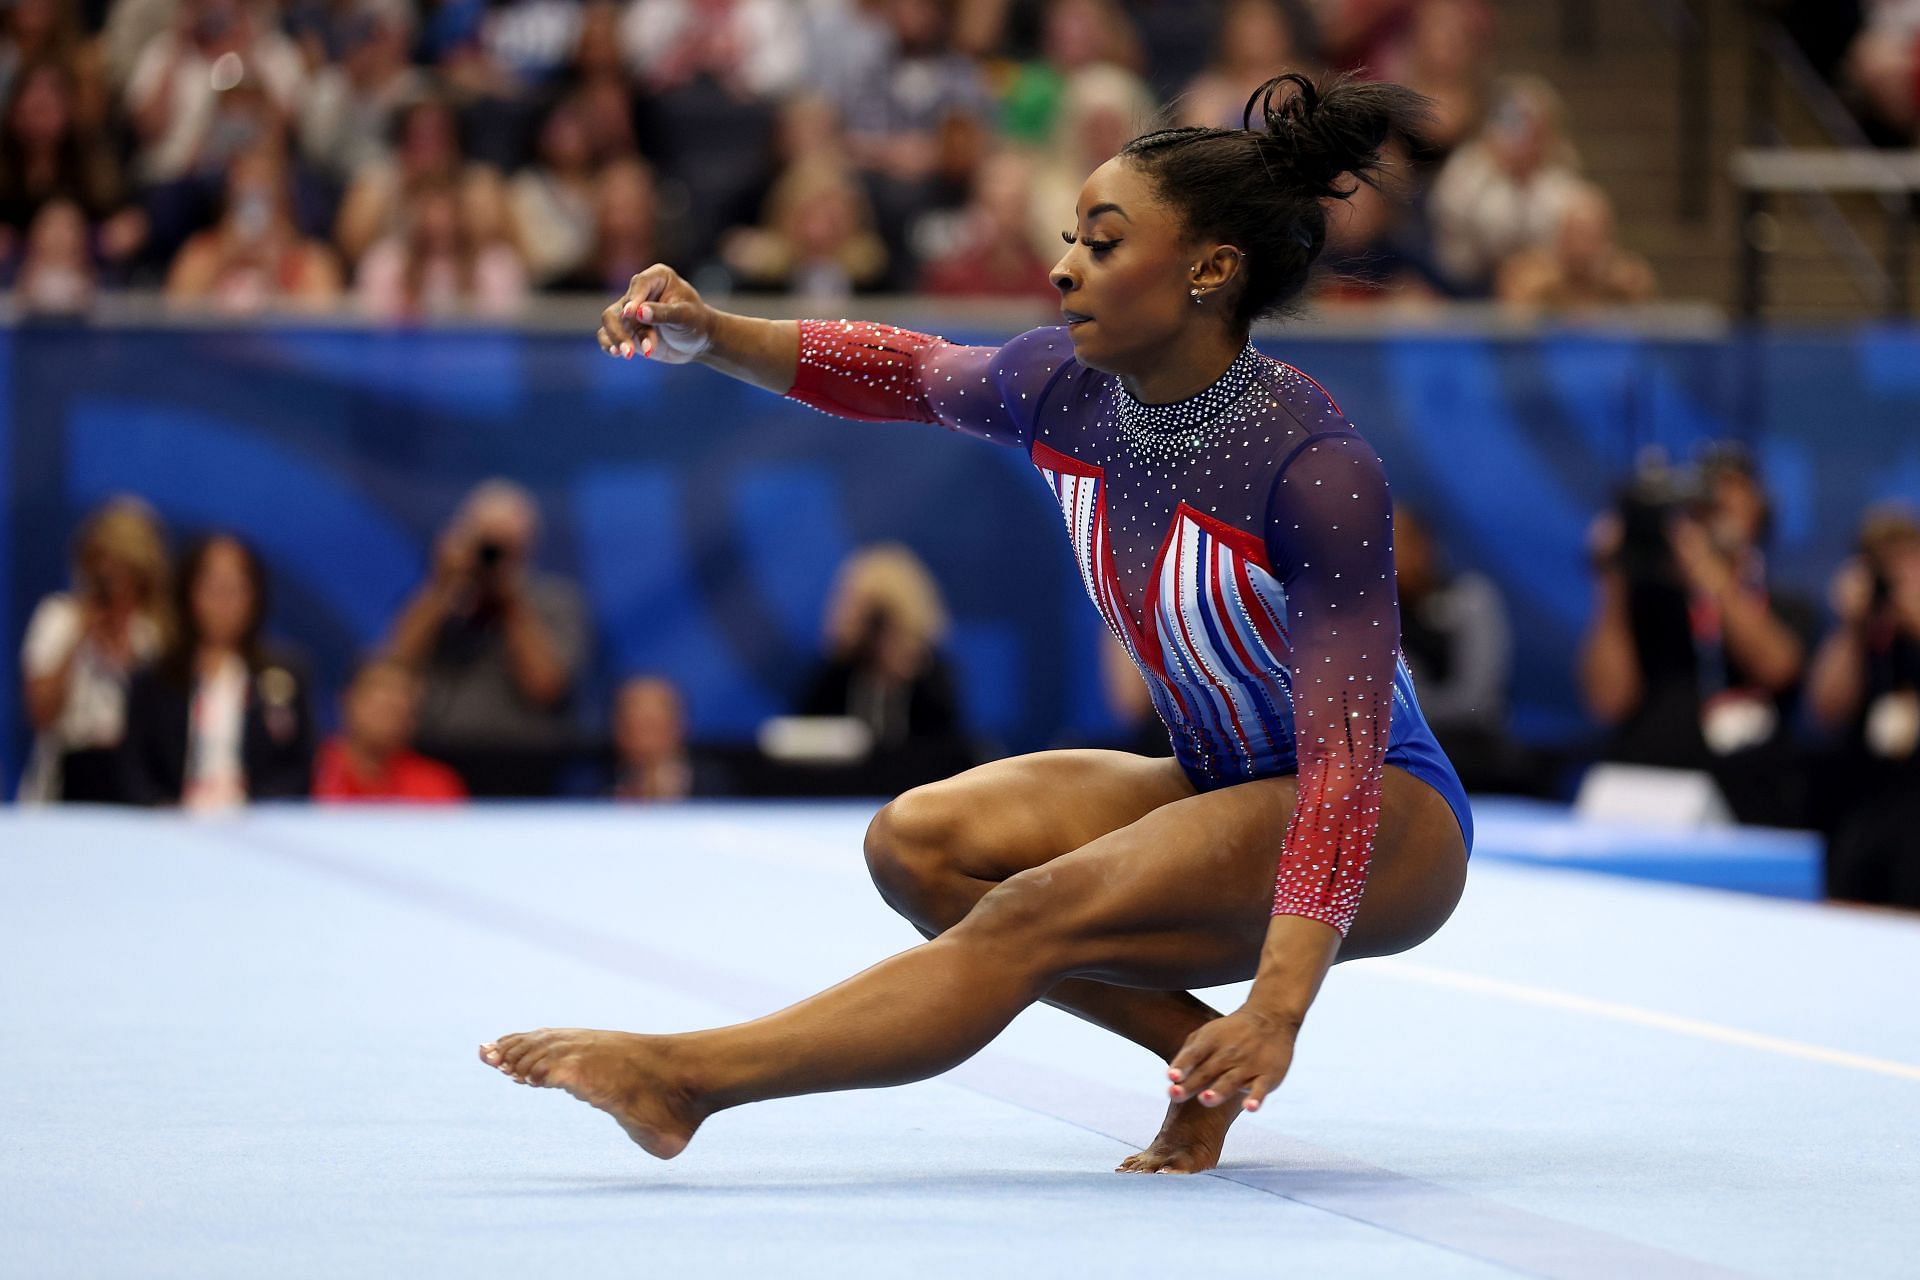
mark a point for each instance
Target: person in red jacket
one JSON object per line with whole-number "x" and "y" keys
{"x": 372, "y": 758}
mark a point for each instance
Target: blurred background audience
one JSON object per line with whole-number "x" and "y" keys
{"x": 372, "y": 757}
{"x": 223, "y": 716}
{"x": 882, "y": 664}
{"x": 82, "y": 647}
{"x": 652, "y": 758}
{"x": 1864, "y": 692}
{"x": 499, "y": 645}
{"x": 414, "y": 160}
{"x": 812, "y": 146}
{"x": 1457, "y": 643}
{"x": 1693, "y": 658}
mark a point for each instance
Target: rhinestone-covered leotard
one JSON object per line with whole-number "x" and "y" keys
{"x": 1238, "y": 543}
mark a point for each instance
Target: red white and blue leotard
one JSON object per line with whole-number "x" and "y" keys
{"x": 1238, "y": 543}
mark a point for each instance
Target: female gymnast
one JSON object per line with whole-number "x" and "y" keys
{"x": 1235, "y": 533}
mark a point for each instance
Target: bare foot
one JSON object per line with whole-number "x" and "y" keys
{"x": 1190, "y": 1140}
{"x": 624, "y": 1075}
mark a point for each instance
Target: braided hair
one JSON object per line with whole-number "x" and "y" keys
{"x": 1261, "y": 189}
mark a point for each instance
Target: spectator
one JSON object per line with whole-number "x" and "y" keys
{"x": 347, "y": 115}
{"x": 1865, "y": 688}
{"x": 500, "y": 645}
{"x": 221, "y": 717}
{"x": 1883, "y": 66}
{"x": 1583, "y": 268}
{"x": 1692, "y": 659}
{"x": 1355, "y": 34}
{"x": 990, "y": 253}
{"x": 883, "y": 666}
{"x": 1455, "y": 639}
{"x": 255, "y": 258}
{"x": 816, "y": 238}
{"x": 553, "y": 198}
{"x": 1506, "y": 191}
{"x": 650, "y": 742}
{"x": 626, "y": 233}
{"x": 599, "y": 86}
{"x": 1104, "y": 108}
{"x": 215, "y": 85}
{"x": 458, "y": 256}
{"x": 1258, "y": 40}
{"x": 1075, "y": 34}
{"x": 372, "y": 758}
{"x": 46, "y": 154}
{"x": 914, "y": 122}
{"x": 501, "y": 60}
{"x": 427, "y": 155}
{"x": 130, "y": 27}
{"x": 81, "y": 649}
{"x": 56, "y": 275}
{"x": 1443, "y": 54}
{"x": 49, "y": 31}
{"x": 597, "y": 55}
{"x": 1376, "y": 244}
{"x": 752, "y": 49}
{"x": 711, "y": 72}
{"x": 1178, "y": 39}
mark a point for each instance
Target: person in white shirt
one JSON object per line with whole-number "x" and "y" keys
{"x": 1508, "y": 190}
{"x": 81, "y": 648}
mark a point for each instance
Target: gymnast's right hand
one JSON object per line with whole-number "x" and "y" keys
{"x": 660, "y": 316}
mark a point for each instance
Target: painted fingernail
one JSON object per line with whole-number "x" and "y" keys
{"x": 646, "y": 313}
{"x": 1173, "y": 1073}
{"x": 646, "y": 348}
{"x": 1176, "y": 1093}
{"x": 1252, "y": 1105}
{"x": 1209, "y": 1095}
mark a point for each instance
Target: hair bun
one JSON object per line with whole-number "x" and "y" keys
{"x": 1321, "y": 132}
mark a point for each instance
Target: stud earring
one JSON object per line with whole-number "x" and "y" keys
{"x": 1195, "y": 294}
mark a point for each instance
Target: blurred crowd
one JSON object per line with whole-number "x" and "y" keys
{"x": 1870, "y": 51}
{"x": 150, "y": 680}
{"x": 432, "y": 157}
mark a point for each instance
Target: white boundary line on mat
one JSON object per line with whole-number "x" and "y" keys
{"x": 1548, "y": 997}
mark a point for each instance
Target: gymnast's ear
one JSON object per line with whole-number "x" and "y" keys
{"x": 1219, "y": 271}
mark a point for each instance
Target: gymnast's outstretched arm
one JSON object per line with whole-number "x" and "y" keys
{"x": 853, "y": 369}
{"x": 662, "y": 317}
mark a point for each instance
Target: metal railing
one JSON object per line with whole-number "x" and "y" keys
{"x": 1775, "y": 61}
{"x": 1892, "y": 176}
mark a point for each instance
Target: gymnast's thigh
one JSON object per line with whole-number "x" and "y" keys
{"x": 1001, "y": 818}
{"x": 1183, "y": 896}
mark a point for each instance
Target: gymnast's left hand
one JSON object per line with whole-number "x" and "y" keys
{"x": 1241, "y": 1058}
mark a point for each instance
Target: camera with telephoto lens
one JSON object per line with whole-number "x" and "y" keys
{"x": 1655, "y": 496}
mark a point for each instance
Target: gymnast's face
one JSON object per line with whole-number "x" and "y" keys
{"x": 1125, "y": 276}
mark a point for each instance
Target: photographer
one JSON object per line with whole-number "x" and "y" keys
{"x": 82, "y": 648}
{"x": 884, "y": 667}
{"x": 1690, "y": 659}
{"x": 499, "y": 647}
{"x": 1865, "y": 687}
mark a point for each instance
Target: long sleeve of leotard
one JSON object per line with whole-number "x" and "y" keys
{"x": 1329, "y": 542}
{"x": 876, "y": 372}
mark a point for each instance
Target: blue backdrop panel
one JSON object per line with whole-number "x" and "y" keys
{"x": 706, "y": 519}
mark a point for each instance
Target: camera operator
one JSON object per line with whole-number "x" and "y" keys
{"x": 499, "y": 646}
{"x": 883, "y": 665}
{"x": 1865, "y": 688}
{"x": 1690, "y": 659}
